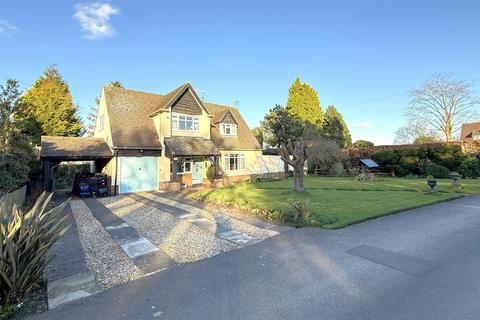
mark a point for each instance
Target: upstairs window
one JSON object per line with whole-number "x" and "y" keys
{"x": 234, "y": 162}
{"x": 182, "y": 122}
{"x": 227, "y": 129}
{"x": 101, "y": 122}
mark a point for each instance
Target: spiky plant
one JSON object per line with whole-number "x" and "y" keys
{"x": 25, "y": 239}
{"x": 301, "y": 212}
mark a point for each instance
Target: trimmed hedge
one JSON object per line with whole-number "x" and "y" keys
{"x": 420, "y": 160}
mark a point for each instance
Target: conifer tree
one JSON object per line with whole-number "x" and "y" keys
{"x": 303, "y": 104}
{"x": 335, "y": 128}
{"x": 50, "y": 103}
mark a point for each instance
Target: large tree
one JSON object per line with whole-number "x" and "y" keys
{"x": 292, "y": 137}
{"x": 334, "y": 128}
{"x": 50, "y": 103}
{"x": 442, "y": 104}
{"x": 303, "y": 103}
{"x": 10, "y": 103}
{"x": 258, "y": 133}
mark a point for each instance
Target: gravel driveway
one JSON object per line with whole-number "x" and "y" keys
{"x": 127, "y": 237}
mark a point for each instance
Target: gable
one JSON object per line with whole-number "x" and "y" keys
{"x": 187, "y": 104}
{"x": 228, "y": 118}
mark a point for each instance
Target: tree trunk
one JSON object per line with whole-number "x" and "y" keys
{"x": 285, "y": 168}
{"x": 298, "y": 179}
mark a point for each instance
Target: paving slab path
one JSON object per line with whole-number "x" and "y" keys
{"x": 118, "y": 239}
{"x": 365, "y": 271}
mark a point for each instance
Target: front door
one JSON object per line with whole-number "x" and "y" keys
{"x": 197, "y": 173}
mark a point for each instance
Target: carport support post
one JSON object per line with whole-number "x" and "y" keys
{"x": 47, "y": 176}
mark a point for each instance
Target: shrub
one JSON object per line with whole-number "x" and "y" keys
{"x": 437, "y": 171}
{"x": 25, "y": 239}
{"x": 300, "y": 212}
{"x": 211, "y": 174}
{"x": 323, "y": 155}
{"x": 337, "y": 170}
{"x": 470, "y": 168}
{"x": 15, "y": 165}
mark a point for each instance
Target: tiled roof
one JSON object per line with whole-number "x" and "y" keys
{"x": 74, "y": 148}
{"x": 468, "y": 129}
{"x": 129, "y": 113}
{"x": 244, "y": 140}
{"x": 188, "y": 146}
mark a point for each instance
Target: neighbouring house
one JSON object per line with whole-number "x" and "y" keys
{"x": 470, "y": 131}
{"x": 145, "y": 141}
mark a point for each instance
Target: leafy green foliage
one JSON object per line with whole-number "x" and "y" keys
{"x": 335, "y": 128}
{"x": 303, "y": 104}
{"x": 415, "y": 160}
{"x": 211, "y": 174}
{"x": 49, "y": 103}
{"x": 10, "y": 103}
{"x": 258, "y": 133}
{"x": 25, "y": 239}
{"x": 338, "y": 170}
{"x": 437, "y": 171}
{"x": 16, "y": 164}
{"x": 362, "y": 144}
{"x": 299, "y": 213}
{"x": 323, "y": 155}
{"x": 470, "y": 168}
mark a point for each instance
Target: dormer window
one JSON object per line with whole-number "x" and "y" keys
{"x": 183, "y": 122}
{"x": 228, "y": 129}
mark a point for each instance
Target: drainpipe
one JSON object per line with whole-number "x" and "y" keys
{"x": 116, "y": 173}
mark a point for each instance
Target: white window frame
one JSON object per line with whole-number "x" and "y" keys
{"x": 182, "y": 166}
{"x": 177, "y": 118}
{"x": 239, "y": 162}
{"x": 232, "y": 128}
{"x": 101, "y": 122}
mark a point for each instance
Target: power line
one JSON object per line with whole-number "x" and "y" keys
{"x": 373, "y": 100}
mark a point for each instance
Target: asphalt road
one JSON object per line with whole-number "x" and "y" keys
{"x": 421, "y": 264}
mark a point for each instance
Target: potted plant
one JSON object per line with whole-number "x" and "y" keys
{"x": 455, "y": 176}
{"x": 432, "y": 183}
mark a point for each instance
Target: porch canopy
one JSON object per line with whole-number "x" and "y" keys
{"x": 58, "y": 149}
{"x": 190, "y": 147}
{"x": 180, "y": 148}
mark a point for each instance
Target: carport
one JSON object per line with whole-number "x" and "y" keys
{"x": 55, "y": 150}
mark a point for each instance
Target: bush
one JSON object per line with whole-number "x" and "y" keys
{"x": 323, "y": 155}
{"x": 437, "y": 171}
{"x": 470, "y": 168}
{"x": 15, "y": 165}
{"x": 300, "y": 212}
{"x": 211, "y": 174}
{"x": 337, "y": 170}
{"x": 25, "y": 239}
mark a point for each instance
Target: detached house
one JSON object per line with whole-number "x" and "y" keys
{"x": 164, "y": 141}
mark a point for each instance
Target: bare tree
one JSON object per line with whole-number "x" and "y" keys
{"x": 442, "y": 104}
{"x": 415, "y": 133}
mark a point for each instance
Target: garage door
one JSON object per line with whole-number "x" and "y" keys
{"x": 138, "y": 174}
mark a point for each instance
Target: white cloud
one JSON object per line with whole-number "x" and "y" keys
{"x": 94, "y": 18}
{"x": 7, "y": 28}
{"x": 362, "y": 125}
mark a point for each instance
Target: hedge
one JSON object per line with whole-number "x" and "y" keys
{"x": 415, "y": 160}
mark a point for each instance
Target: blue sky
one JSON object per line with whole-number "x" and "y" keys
{"x": 349, "y": 51}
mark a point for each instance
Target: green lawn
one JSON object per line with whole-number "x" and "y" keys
{"x": 346, "y": 200}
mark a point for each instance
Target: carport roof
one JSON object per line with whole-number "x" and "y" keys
{"x": 187, "y": 146}
{"x": 74, "y": 148}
